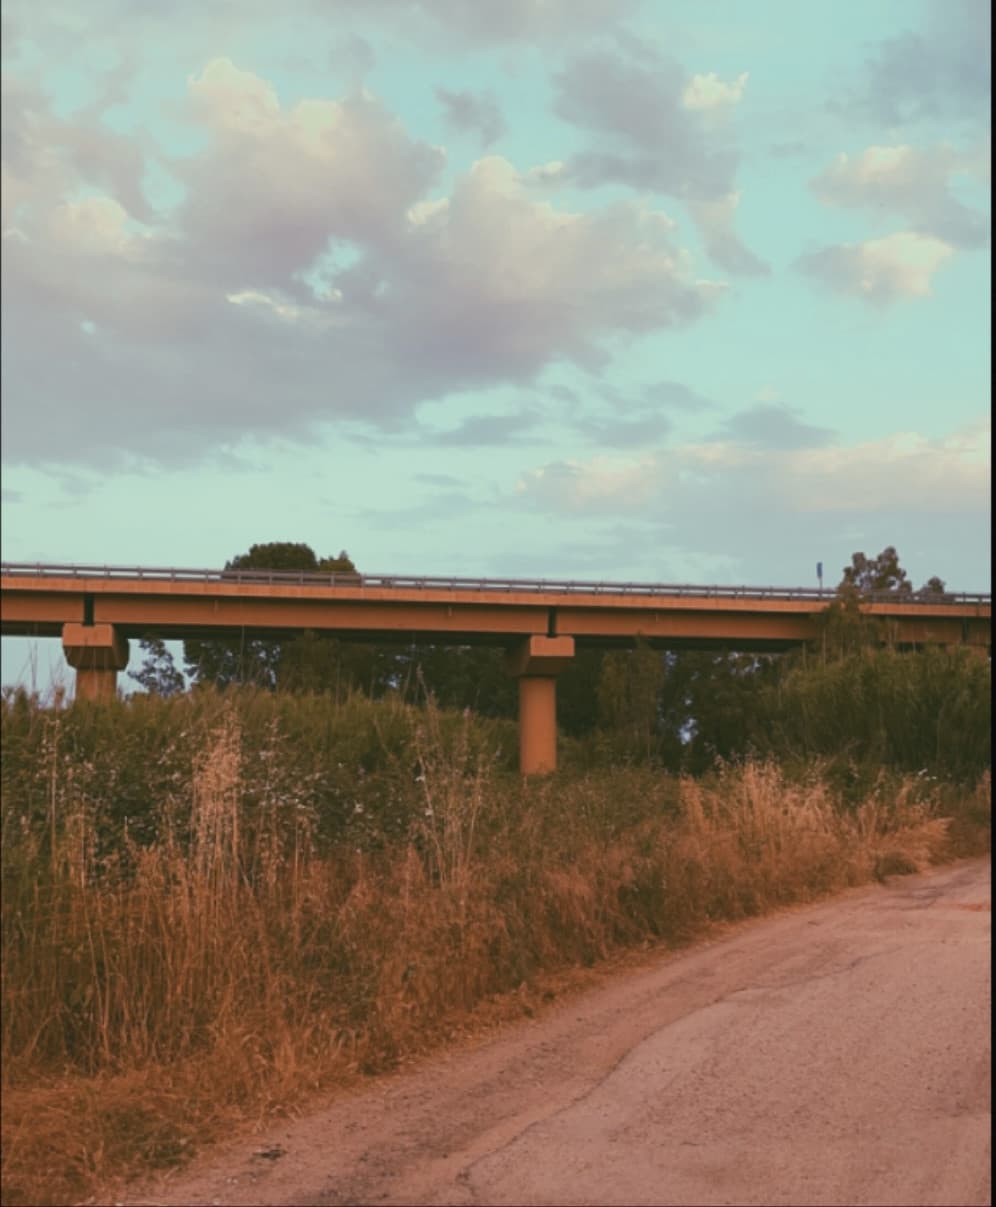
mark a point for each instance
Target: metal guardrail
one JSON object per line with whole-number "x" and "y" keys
{"x": 430, "y": 582}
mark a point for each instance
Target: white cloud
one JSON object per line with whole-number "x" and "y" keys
{"x": 902, "y": 470}
{"x": 426, "y": 211}
{"x": 881, "y": 271}
{"x": 618, "y": 484}
{"x": 493, "y": 22}
{"x": 773, "y": 426}
{"x": 235, "y": 100}
{"x": 642, "y": 132}
{"x": 308, "y": 276}
{"x": 913, "y": 183}
{"x": 276, "y": 185}
{"x": 722, "y": 492}
{"x": 496, "y": 283}
{"x": 706, "y": 92}
{"x": 654, "y": 129}
{"x": 715, "y": 221}
{"x": 185, "y": 27}
{"x": 95, "y": 226}
{"x": 253, "y": 297}
{"x": 467, "y": 111}
{"x": 552, "y": 172}
{"x": 941, "y": 70}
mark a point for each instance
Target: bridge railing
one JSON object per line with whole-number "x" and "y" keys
{"x": 436, "y": 582}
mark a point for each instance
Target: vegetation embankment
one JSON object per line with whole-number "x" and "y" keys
{"x": 216, "y": 902}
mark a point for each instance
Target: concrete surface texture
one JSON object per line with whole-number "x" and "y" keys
{"x": 833, "y": 1054}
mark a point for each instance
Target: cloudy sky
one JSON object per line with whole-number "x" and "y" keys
{"x": 681, "y": 290}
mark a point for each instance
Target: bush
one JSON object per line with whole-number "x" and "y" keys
{"x": 215, "y": 903}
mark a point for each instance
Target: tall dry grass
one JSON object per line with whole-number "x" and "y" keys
{"x": 157, "y": 990}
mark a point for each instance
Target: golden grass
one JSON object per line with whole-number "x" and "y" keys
{"x": 156, "y": 995}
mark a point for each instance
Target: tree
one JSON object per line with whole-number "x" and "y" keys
{"x": 577, "y": 703}
{"x": 845, "y": 629}
{"x": 711, "y": 711}
{"x": 628, "y": 692}
{"x": 320, "y": 663}
{"x": 457, "y": 677}
{"x": 870, "y": 576}
{"x": 229, "y": 660}
{"x": 159, "y": 675}
{"x": 312, "y": 661}
{"x": 933, "y": 587}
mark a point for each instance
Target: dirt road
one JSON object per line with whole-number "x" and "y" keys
{"x": 836, "y": 1054}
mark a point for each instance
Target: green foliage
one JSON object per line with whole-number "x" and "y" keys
{"x": 934, "y": 586}
{"x": 311, "y": 662}
{"x": 349, "y": 767}
{"x": 628, "y": 694}
{"x": 681, "y": 709}
{"x": 159, "y": 675}
{"x": 154, "y": 993}
{"x": 719, "y": 694}
{"x": 577, "y": 701}
{"x": 458, "y": 677}
{"x": 226, "y": 661}
{"x": 875, "y": 575}
{"x": 844, "y": 628}
{"x": 315, "y": 662}
{"x": 928, "y": 711}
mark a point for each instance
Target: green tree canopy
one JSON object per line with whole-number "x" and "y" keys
{"x": 289, "y": 556}
{"x": 883, "y": 574}
{"x": 628, "y": 691}
{"x": 933, "y": 586}
{"x": 844, "y": 628}
{"x": 159, "y": 675}
{"x": 225, "y": 661}
{"x": 871, "y": 575}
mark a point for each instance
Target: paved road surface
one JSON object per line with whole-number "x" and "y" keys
{"x": 836, "y": 1054}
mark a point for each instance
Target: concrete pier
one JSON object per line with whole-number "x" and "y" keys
{"x": 96, "y": 652}
{"x": 536, "y": 662}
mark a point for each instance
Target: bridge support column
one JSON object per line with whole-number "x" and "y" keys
{"x": 536, "y": 664}
{"x": 96, "y": 652}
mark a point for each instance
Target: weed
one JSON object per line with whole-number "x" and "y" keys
{"x": 213, "y": 905}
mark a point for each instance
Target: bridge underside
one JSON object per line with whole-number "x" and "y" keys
{"x": 596, "y": 625}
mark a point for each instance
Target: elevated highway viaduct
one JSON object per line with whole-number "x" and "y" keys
{"x": 97, "y": 610}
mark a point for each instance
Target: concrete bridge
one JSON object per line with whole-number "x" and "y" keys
{"x": 96, "y": 610}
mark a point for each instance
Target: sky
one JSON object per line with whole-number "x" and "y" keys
{"x": 675, "y": 291}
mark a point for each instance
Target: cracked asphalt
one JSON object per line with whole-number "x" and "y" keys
{"x": 833, "y": 1054}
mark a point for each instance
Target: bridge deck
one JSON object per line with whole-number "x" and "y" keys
{"x": 176, "y": 603}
